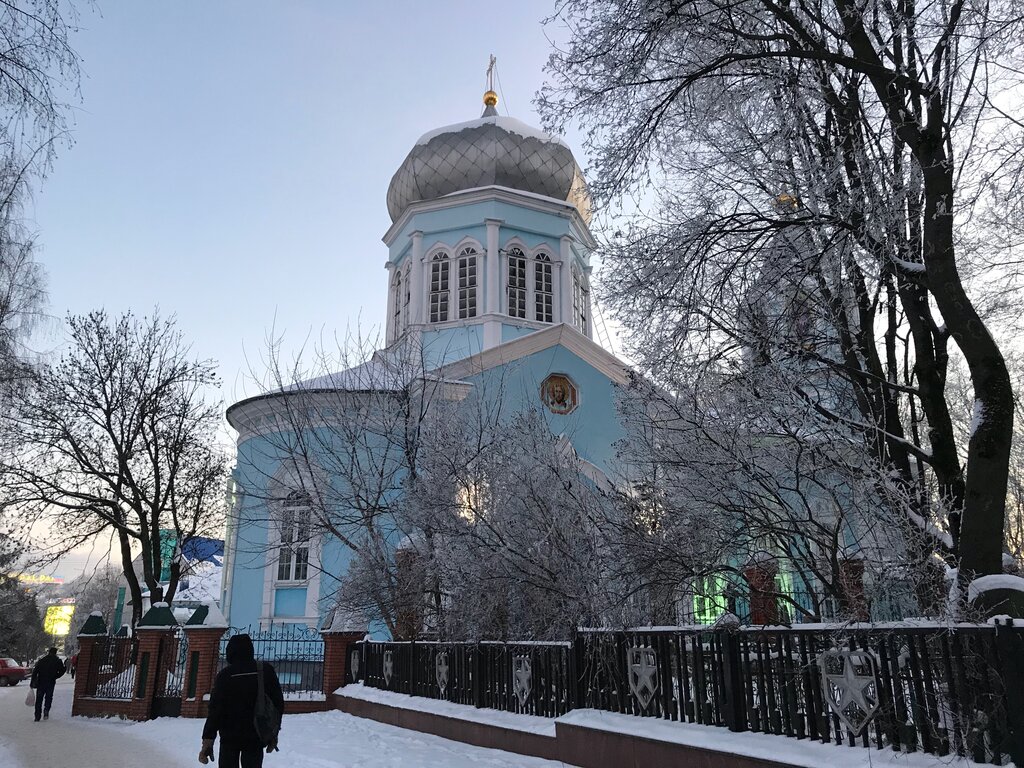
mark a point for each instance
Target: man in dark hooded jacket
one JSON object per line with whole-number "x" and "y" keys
{"x": 233, "y": 705}
{"x": 44, "y": 678}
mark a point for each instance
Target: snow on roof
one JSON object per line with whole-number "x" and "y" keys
{"x": 214, "y": 617}
{"x": 378, "y": 373}
{"x": 509, "y": 124}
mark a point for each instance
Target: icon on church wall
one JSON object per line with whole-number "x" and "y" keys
{"x": 559, "y": 393}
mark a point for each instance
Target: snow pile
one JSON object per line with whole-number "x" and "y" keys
{"x": 160, "y": 605}
{"x": 541, "y": 726}
{"x": 775, "y": 749}
{"x": 993, "y": 582}
{"x": 304, "y": 696}
{"x": 117, "y": 686}
{"x": 97, "y": 613}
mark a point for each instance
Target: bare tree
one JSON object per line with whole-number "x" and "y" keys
{"x": 866, "y": 136}
{"x": 118, "y": 437}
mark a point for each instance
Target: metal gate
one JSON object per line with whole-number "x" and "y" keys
{"x": 170, "y": 674}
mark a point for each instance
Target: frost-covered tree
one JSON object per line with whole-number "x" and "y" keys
{"x": 872, "y": 140}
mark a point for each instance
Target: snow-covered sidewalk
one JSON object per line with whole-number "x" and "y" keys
{"x": 318, "y": 740}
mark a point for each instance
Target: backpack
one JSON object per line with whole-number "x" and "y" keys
{"x": 266, "y": 719}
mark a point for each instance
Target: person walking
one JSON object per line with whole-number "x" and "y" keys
{"x": 233, "y": 708}
{"x": 44, "y": 678}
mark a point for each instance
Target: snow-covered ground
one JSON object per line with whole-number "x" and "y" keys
{"x": 318, "y": 740}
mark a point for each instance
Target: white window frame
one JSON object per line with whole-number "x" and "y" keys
{"x": 543, "y": 288}
{"x": 580, "y": 301}
{"x": 294, "y": 539}
{"x": 396, "y": 290}
{"x": 467, "y": 276}
{"x": 439, "y": 296}
{"x": 516, "y": 282}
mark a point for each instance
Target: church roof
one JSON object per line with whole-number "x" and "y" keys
{"x": 490, "y": 151}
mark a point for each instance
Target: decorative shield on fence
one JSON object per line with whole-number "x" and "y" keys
{"x": 355, "y": 665}
{"x": 850, "y": 685}
{"x": 643, "y": 674}
{"x": 389, "y": 667}
{"x": 441, "y": 671}
{"x": 522, "y": 678}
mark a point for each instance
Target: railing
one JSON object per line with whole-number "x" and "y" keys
{"x": 111, "y": 672}
{"x": 490, "y": 675}
{"x": 296, "y": 652}
{"x": 942, "y": 690}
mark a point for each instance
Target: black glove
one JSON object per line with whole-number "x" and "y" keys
{"x": 272, "y": 747}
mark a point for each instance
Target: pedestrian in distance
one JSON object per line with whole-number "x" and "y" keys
{"x": 245, "y": 709}
{"x": 44, "y": 678}
{"x": 73, "y": 665}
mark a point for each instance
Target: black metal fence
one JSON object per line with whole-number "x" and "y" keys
{"x": 297, "y": 653}
{"x": 526, "y": 678}
{"x": 941, "y": 690}
{"x": 111, "y": 671}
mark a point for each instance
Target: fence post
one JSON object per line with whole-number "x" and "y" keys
{"x": 88, "y": 638}
{"x": 733, "y": 700}
{"x": 1010, "y": 650}
{"x": 204, "y": 629}
{"x": 577, "y": 670}
{"x": 478, "y": 689}
{"x": 153, "y": 628}
{"x": 344, "y": 630}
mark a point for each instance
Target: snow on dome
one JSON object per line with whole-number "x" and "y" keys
{"x": 96, "y": 613}
{"x": 486, "y": 152}
{"x": 509, "y": 124}
{"x": 160, "y": 605}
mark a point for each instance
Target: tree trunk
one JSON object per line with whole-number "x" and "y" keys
{"x": 988, "y": 454}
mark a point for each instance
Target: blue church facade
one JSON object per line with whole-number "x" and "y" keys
{"x": 488, "y": 279}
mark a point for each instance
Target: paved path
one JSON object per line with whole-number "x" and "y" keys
{"x": 317, "y": 740}
{"x": 66, "y": 742}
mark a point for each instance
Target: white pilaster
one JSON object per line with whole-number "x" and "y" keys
{"x": 493, "y": 282}
{"x": 417, "y": 289}
{"x": 565, "y": 282}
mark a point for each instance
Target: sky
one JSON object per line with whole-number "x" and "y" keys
{"x": 230, "y": 160}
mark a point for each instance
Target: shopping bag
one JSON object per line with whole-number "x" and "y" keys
{"x": 30, "y": 697}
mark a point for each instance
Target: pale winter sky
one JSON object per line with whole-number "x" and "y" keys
{"x": 231, "y": 158}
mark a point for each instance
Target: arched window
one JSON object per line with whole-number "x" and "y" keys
{"x": 397, "y": 301}
{"x": 408, "y": 293}
{"x": 580, "y": 300}
{"x": 293, "y": 550}
{"x": 467, "y": 282}
{"x": 439, "y": 288}
{"x": 516, "y": 283}
{"x": 542, "y": 290}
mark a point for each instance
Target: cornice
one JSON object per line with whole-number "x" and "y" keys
{"x": 528, "y": 200}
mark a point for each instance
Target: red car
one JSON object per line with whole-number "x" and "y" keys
{"x": 11, "y": 672}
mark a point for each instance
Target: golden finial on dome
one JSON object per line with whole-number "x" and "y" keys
{"x": 490, "y": 98}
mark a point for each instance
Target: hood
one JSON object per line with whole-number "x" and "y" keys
{"x": 239, "y": 649}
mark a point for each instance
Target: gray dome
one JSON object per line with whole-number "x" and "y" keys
{"x": 493, "y": 150}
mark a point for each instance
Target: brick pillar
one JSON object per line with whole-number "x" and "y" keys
{"x": 87, "y": 647}
{"x": 147, "y": 670}
{"x": 200, "y": 668}
{"x": 336, "y": 645}
{"x": 764, "y": 604}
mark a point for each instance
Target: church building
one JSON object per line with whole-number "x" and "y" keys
{"x": 488, "y": 273}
